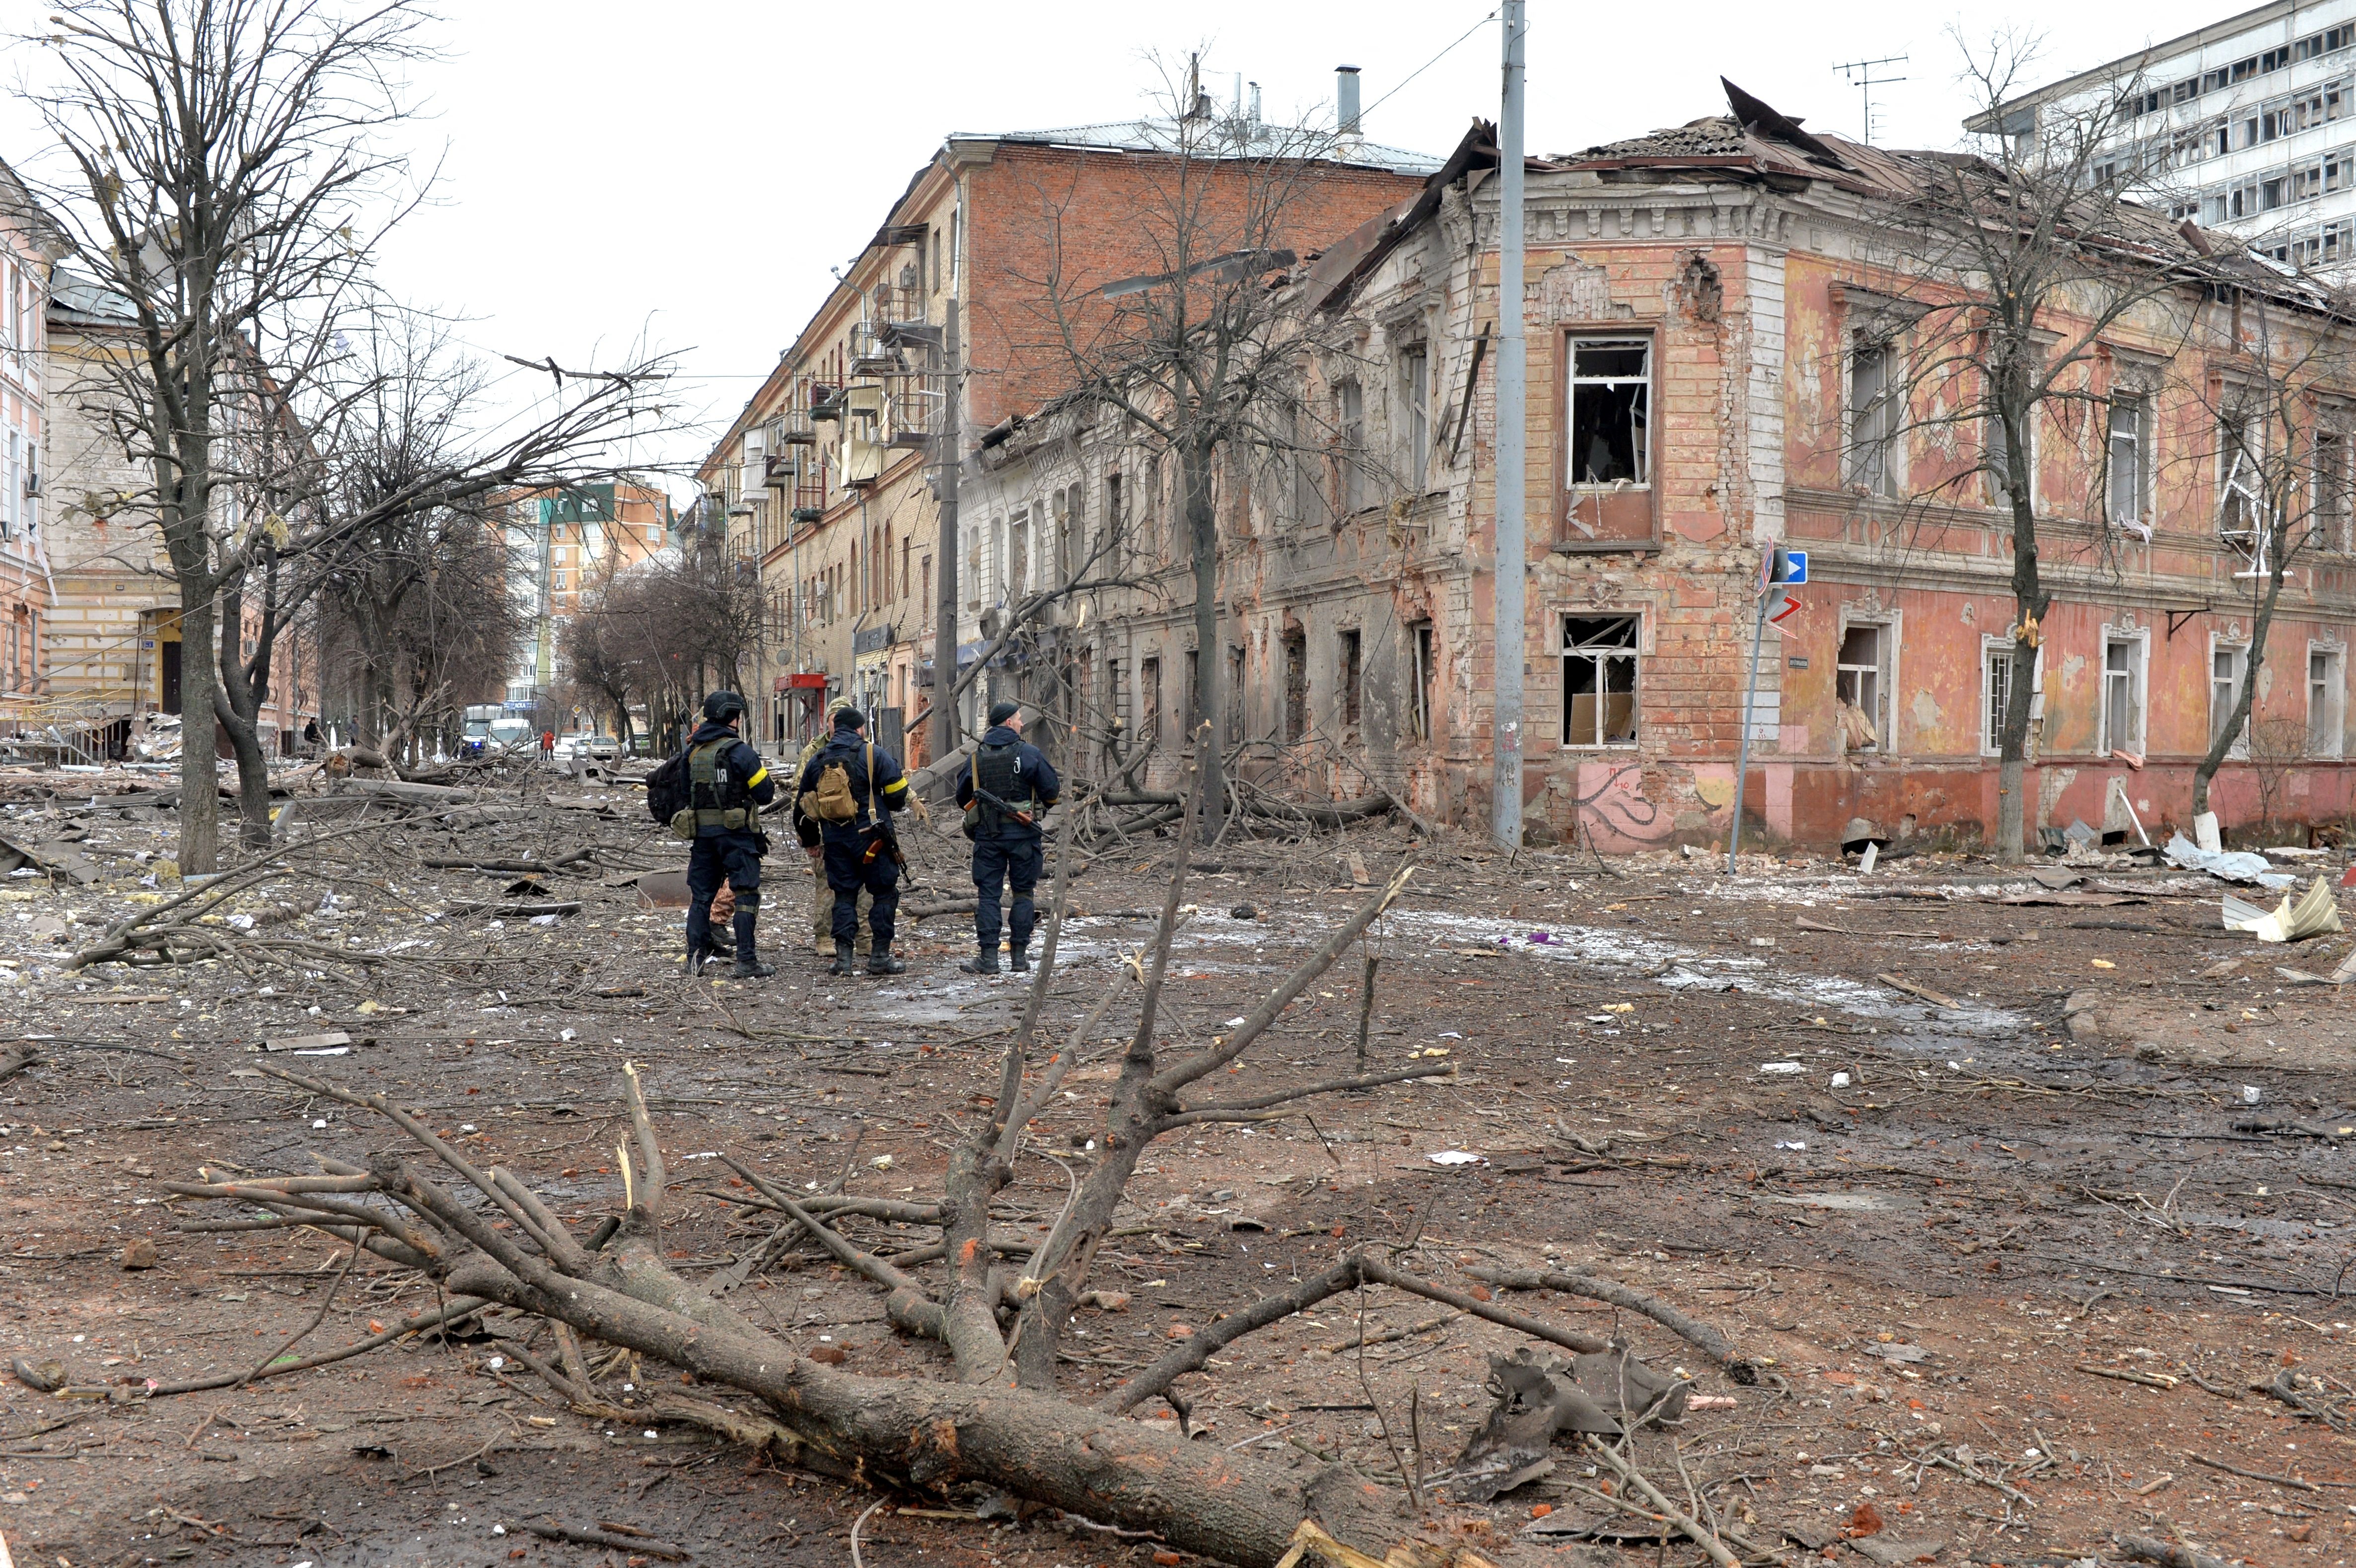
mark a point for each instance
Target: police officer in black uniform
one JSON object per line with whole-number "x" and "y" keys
{"x": 1011, "y": 785}
{"x": 727, "y": 785}
{"x": 858, "y": 847}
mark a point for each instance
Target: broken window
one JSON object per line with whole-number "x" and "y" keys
{"x": 1018, "y": 556}
{"x": 1611, "y": 407}
{"x": 1149, "y": 694}
{"x": 2227, "y": 663}
{"x": 1296, "y": 686}
{"x": 2331, "y": 510}
{"x": 1350, "y": 443}
{"x": 1116, "y": 712}
{"x": 1598, "y": 680}
{"x": 1234, "y": 695}
{"x": 2122, "y": 695}
{"x": 1420, "y": 696}
{"x": 1873, "y": 414}
{"x": 1415, "y": 394}
{"x": 1860, "y": 685}
{"x": 2123, "y": 476}
{"x": 2239, "y": 477}
{"x": 1193, "y": 695}
{"x": 1112, "y": 513}
{"x": 1345, "y": 658}
{"x": 2327, "y": 700}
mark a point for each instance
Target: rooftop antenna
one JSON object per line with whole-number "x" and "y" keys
{"x": 1861, "y": 76}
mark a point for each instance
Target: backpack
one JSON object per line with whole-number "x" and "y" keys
{"x": 833, "y": 800}
{"x": 667, "y": 792}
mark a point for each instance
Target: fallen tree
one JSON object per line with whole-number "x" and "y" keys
{"x": 997, "y": 1416}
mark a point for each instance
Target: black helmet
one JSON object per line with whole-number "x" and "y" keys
{"x": 722, "y": 707}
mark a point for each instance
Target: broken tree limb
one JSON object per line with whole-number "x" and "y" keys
{"x": 1700, "y": 1534}
{"x": 1190, "y": 1355}
{"x": 1711, "y": 1342}
{"x": 926, "y": 1433}
{"x": 1379, "y": 1273}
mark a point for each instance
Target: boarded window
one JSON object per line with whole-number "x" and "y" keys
{"x": 1598, "y": 680}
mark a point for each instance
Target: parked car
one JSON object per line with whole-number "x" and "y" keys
{"x": 600, "y": 747}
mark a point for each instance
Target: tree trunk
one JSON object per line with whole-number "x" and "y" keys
{"x": 238, "y": 709}
{"x": 199, "y": 778}
{"x": 2261, "y": 620}
{"x": 1211, "y": 656}
{"x": 2029, "y": 604}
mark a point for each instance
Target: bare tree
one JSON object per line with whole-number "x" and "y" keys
{"x": 2010, "y": 266}
{"x": 2279, "y": 348}
{"x": 223, "y": 153}
{"x": 1205, "y": 354}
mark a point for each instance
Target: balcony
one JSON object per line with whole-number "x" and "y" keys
{"x": 809, "y": 494}
{"x": 795, "y": 428}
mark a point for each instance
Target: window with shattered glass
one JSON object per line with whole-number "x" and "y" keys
{"x": 1598, "y": 680}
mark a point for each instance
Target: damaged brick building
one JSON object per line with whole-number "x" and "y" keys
{"x": 1716, "y": 320}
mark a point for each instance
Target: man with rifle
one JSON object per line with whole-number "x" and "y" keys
{"x": 1006, "y": 788}
{"x": 850, "y": 787}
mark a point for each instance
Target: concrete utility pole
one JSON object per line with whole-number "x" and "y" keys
{"x": 944, "y": 610}
{"x": 1512, "y": 376}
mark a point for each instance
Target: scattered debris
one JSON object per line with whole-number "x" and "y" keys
{"x": 2315, "y": 913}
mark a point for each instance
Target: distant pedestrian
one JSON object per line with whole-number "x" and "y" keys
{"x": 547, "y": 743}
{"x": 1006, "y": 788}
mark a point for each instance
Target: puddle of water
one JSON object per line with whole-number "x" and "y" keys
{"x": 1849, "y": 1200}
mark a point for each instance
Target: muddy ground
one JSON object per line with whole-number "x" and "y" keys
{"x": 2056, "y": 1190}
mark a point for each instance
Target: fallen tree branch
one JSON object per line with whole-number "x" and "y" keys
{"x": 1708, "y": 1340}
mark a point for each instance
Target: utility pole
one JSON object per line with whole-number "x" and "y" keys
{"x": 945, "y": 608}
{"x": 1512, "y": 555}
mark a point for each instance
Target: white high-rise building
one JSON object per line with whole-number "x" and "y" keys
{"x": 2248, "y": 126}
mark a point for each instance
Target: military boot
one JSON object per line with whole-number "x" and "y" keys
{"x": 748, "y": 963}
{"x": 1018, "y": 956}
{"x": 982, "y": 962}
{"x": 881, "y": 961}
{"x": 842, "y": 964}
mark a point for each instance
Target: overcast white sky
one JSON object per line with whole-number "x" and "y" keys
{"x": 687, "y": 172}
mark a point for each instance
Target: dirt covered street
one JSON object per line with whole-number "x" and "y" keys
{"x": 2024, "y": 1208}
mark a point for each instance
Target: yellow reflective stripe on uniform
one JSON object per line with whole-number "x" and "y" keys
{"x": 896, "y": 784}
{"x": 758, "y": 774}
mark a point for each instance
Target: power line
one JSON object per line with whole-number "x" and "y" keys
{"x": 1427, "y": 65}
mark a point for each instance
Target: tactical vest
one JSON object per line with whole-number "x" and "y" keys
{"x": 994, "y": 770}
{"x": 716, "y": 794}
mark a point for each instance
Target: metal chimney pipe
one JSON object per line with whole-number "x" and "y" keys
{"x": 1346, "y": 98}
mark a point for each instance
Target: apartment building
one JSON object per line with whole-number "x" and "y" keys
{"x": 562, "y": 545}
{"x": 827, "y": 476}
{"x": 2247, "y": 126}
{"x": 1715, "y": 330}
